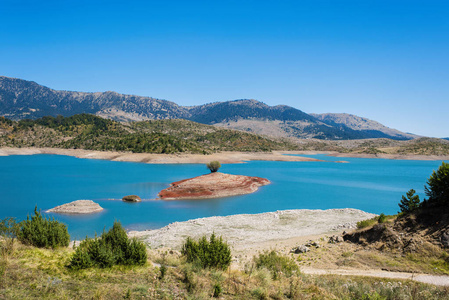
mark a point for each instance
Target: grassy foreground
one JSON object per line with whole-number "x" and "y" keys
{"x": 27, "y": 272}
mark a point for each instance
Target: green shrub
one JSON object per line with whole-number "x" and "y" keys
{"x": 382, "y": 218}
{"x": 217, "y": 290}
{"x": 112, "y": 248}
{"x": 367, "y": 223}
{"x": 214, "y": 253}
{"x": 213, "y": 166}
{"x": 9, "y": 229}
{"x": 42, "y": 232}
{"x": 163, "y": 270}
{"x": 190, "y": 279}
{"x": 260, "y": 293}
{"x": 81, "y": 259}
{"x": 276, "y": 264}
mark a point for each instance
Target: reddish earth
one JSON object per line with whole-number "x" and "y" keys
{"x": 213, "y": 185}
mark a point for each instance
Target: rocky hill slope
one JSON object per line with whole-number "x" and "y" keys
{"x": 420, "y": 231}
{"x": 362, "y": 125}
{"x": 21, "y": 99}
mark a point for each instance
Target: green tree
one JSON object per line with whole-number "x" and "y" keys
{"x": 213, "y": 166}
{"x": 437, "y": 188}
{"x": 409, "y": 203}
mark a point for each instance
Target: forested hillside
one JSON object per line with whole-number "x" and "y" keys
{"x": 86, "y": 131}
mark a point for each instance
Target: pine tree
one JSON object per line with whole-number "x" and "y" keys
{"x": 437, "y": 188}
{"x": 410, "y": 203}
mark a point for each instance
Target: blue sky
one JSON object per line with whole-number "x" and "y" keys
{"x": 384, "y": 60}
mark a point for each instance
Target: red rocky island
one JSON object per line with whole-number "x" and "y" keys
{"x": 213, "y": 185}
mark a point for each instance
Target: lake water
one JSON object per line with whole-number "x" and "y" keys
{"x": 372, "y": 185}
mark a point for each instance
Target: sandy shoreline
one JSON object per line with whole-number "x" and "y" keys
{"x": 391, "y": 156}
{"x": 223, "y": 157}
{"x": 380, "y": 155}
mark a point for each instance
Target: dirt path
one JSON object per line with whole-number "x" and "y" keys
{"x": 425, "y": 278}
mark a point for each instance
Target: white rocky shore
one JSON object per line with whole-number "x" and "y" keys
{"x": 244, "y": 231}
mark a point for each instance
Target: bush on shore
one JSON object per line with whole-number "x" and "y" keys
{"x": 42, "y": 232}
{"x": 112, "y": 248}
{"x": 9, "y": 229}
{"x": 214, "y": 253}
{"x": 276, "y": 264}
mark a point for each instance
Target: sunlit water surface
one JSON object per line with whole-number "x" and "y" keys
{"x": 372, "y": 185}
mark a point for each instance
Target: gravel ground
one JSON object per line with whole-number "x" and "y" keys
{"x": 243, "y": 231}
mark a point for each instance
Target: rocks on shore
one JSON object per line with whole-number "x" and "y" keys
{"x": 335, "y": 239}
{"x": 300, "y": 249}
{"x": 132, "y": 198}
{"x": 213, "y": 185}
{"x": 306, "y": 247}
{"x": 77, "y": 207}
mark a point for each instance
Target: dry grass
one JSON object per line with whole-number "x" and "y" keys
{"x": 33, "y": 273}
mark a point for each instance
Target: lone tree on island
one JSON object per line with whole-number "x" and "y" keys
{"x": 213, "y": 166}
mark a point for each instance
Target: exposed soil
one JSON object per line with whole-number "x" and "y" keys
{"x": 213, "y": 185}
{"x": 409, "y": 233}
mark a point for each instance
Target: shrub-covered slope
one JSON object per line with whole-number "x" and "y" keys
{"x": 86, "y": 131}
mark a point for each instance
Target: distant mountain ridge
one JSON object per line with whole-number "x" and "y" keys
{"x": 360, "y": 124}
{"x": 245, "y": 109}
{"x": 21, "y": 99}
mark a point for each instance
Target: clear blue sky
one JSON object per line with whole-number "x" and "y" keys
{"x": 384, "y": 60}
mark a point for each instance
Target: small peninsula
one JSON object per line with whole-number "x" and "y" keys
{"x": 213, "y": 185}
{"x": 77, "y": 207}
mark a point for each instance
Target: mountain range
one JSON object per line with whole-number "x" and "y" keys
{"x": 22, "y": 99}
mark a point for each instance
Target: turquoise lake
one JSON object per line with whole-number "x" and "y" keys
{"x": 372, "y": 185}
